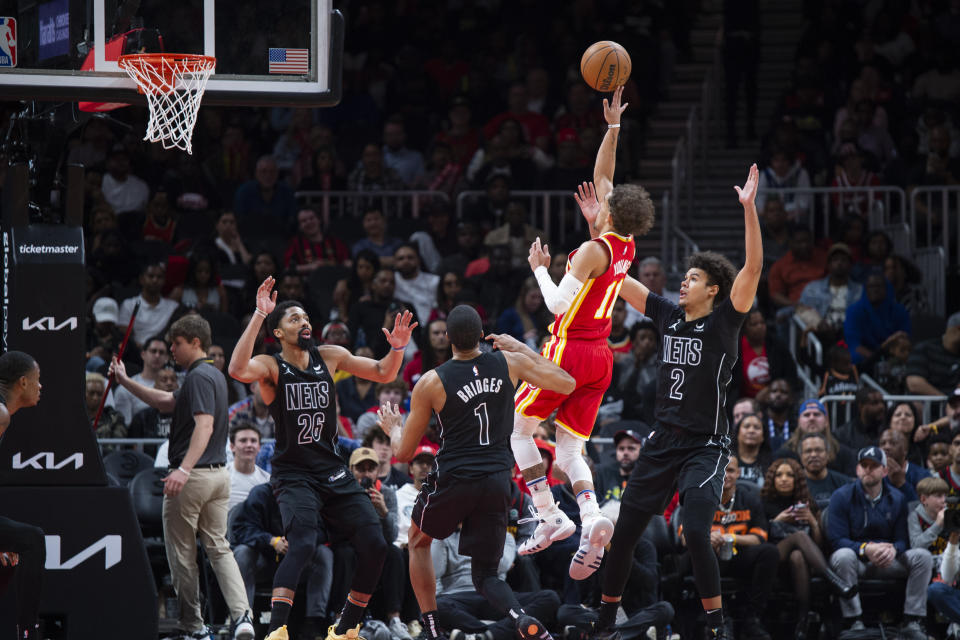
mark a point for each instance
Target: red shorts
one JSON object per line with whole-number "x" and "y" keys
{"x": 591, "y": 365}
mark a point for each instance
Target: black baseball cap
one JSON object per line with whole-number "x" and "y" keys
{"x": 876, "y": 454}
{"x": 626, "y": 433}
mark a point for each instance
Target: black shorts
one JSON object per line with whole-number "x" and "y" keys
{"x": 674, "y": 458}
{"x": 333, "y": 502}
{"x": 480, "y": 504}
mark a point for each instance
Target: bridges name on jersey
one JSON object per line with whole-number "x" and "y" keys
{"x": 481, "y": 385}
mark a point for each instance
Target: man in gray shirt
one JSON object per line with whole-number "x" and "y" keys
{"x": 197, "y": 490}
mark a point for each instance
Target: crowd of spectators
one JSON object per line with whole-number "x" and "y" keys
{"x": 498, "y": 108}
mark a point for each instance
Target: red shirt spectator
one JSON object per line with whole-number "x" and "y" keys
{"x": 802, "y": 264}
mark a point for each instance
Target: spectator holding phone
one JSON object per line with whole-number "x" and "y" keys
{"x": 944, "y": 594}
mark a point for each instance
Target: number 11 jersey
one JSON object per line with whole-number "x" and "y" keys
{"x": 696, "y": 364}
{"x": 304, "y": 411}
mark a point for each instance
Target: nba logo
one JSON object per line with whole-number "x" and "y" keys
{"x": 8, "y": 42}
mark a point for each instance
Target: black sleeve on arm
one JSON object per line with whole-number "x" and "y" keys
{"x": 658, "y": 309}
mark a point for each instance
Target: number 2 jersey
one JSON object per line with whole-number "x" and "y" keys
{"x": 589, "y": 315}
{"x": 477, "y": 417}
{"x": 305, "y": 414}
{"x": 696, "y": 364}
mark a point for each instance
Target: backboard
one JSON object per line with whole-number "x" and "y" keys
{"x": 268, "y": 53}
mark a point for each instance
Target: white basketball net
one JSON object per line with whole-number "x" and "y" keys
{"x": 174, "y": 86}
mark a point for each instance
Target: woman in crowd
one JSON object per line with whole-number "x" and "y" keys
{"x": 907, "y": 283}
{"x": 350, "y": 290}
{"x": 430, "y": 357}
{"x": 451, "y": 284}
{"x": 904, "y": 417}
{"x": 795, "y": 529}
{"x": 528, "y": 318}
{"x": 202, "y": 288}
{"x": 752, "y": 448}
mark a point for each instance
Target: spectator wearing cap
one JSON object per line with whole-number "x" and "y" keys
{"x": 812, "y": 418}
{"x": 830, "y": 297}
{"x": 387, "y": 599}
{"x": 515, "y": 232}
{"x": 611, "y": 478}
{"x": 104, "y": 337}
{"x": 867, "y": 528}
{"x": 337, "y": 333}
{"x": 849, "y": 173}
{"x": 800, "y": 266}
{"x": 420, "y": 466}
{"x": 406, "y": 163}
{"x": 873, "y": 318}
{"x": 933, "y": 368}
{"x": 125, "y": 192}
{"x": 438, "y": 240}
{"x": 411, "y": 283}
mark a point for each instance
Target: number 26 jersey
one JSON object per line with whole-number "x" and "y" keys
{"x": 304, "y": 411}
{"x": 695, "y": 365}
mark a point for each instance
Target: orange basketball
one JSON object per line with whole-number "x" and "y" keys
{"x": 605, "y": 65}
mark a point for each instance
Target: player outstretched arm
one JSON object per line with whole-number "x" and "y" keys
{"x": 591, "y": 260}
{"x": 528, "y": 365}
{"x": 428, "y": 396}
{"x": 744, "y": 288}
{"x": 383, "y": 370}
{"x": 243, "y": 365}
{"x": 607, "y": 153}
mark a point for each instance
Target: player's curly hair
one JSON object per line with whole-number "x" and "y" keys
{"x": 631, "y": 210}
{"x": 720, "y": 271}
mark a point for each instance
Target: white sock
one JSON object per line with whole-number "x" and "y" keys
{"x": 587, "y": 500}
{"x": 540, "y": 492}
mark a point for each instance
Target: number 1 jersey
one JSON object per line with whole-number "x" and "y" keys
{"x": 477, "y": 417}
{"x": 305, "y": 414}
{"x": 696, "y": 364}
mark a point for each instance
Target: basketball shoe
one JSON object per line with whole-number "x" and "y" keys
{"x": 595, "y": 534}
{"x": 552, "y": 525}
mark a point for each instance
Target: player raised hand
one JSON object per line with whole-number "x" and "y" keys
{"x": 539, "y": 255}
{"x": 748, "y": 192}
{"x": 613, "y": 108}
{"x": 506, "y": 342}
{"x": 388, "y": 417}
{"x": 266, "y": 302}
{"x": 400, "y": 336}
{"x": 586, "y": 197}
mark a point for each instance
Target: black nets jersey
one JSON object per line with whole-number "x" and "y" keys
{"x": 695, "y": 365}
{"x": 477, "y": 418}
{"x": 305, "y": 415}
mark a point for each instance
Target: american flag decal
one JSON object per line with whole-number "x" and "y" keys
{"x": 289, "y": 60}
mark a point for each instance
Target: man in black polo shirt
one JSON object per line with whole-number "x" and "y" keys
{"x": 197, "y": 490}
{"x": 933, "y": 368}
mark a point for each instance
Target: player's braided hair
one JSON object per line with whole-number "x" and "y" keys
{"x": 720, "y": 271}
{"x": 631, "y": 210}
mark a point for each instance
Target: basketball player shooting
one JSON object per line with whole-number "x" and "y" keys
{"x": 472, "y": 396}
{"x": 690, "y": 446}
{"x": 309, "y": 476}
{"x": 583, "y": 304}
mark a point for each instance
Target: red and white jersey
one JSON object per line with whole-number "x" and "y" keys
{"x": 588, "y": 317}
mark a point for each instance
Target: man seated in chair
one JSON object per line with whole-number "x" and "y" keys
{"x": 244, "y": 473}
{"x": 259, "y": 544}
{"x": 867, "y": 528}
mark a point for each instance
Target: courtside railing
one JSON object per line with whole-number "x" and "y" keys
{"x": 334, "y": 204}
{"x": 932, "y": 262}
{"x": 881, "y": 206}
{"x": 554, "y": 212}
{"x": 935, "y": 219}
{"x": 841, "y": 408}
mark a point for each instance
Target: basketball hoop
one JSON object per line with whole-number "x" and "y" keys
{"x": 173, "y": 84}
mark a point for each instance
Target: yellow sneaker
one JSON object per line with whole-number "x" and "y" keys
{"x": 278, "y": 634}
{"x": 351, "y": 634}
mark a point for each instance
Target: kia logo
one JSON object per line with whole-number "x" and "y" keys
{"x": 48, "y": 323}
{"x": 46, "y": 460}
{"x": 111, "y": 545}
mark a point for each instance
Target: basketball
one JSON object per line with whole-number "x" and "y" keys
{"x": 605, "y": 65}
